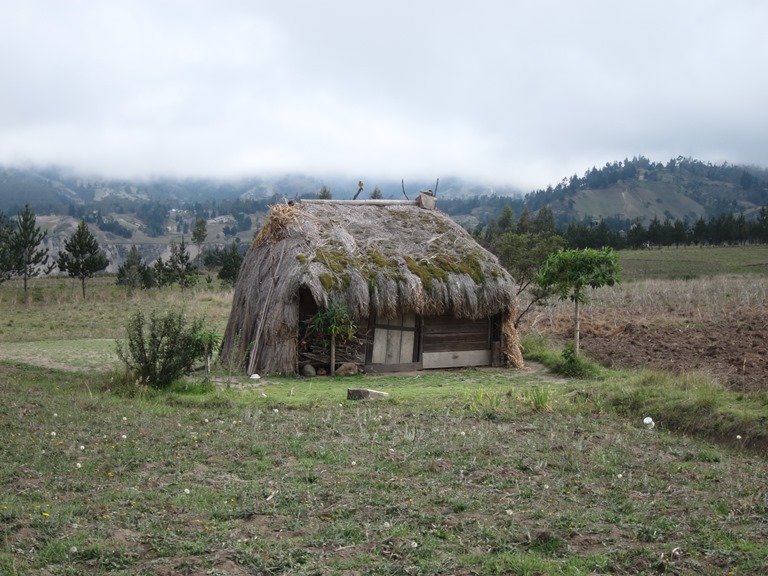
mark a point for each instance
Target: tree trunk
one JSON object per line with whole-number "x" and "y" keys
{"x": 82, "y": 281}
{"x": 333, "y": 355}
{"x": 576, "y": 329}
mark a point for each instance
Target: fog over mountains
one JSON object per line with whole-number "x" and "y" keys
{"x": 55, "y": 189}
{"x": 152, "y": 212}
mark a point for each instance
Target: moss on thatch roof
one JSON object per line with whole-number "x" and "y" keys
{"x": 406, "y": 258}
{"x": 380, "y": 259}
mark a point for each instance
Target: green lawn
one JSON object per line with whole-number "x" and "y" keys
{"x": 455, "y": 473}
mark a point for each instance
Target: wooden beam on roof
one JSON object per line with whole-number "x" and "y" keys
{"x": 364, "y": 202}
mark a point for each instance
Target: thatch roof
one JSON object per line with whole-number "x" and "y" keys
{"x": 375, "y": 258}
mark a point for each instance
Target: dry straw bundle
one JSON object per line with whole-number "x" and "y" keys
{"x": 279, "y": 218}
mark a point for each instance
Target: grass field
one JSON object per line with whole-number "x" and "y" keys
{"x": 460, "y": 472}
{"x": 694, "y": 262}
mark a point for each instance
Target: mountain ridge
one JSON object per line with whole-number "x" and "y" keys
{"x": 636, "y": 190}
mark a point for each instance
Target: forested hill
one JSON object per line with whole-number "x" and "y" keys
{"x": 620, "y": 193}
{"x": 635, "y": 191}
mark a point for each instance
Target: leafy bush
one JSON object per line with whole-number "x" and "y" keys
{"x": 163, "y": 349}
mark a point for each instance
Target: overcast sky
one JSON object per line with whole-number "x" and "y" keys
{"x": 502, "y": 91}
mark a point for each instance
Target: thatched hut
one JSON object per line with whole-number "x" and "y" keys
{"x": 421, "y": 291}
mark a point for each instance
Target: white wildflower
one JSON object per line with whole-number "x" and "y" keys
{"x": 82, "y": 447}
{"x": 78, "y": 465}
{"x": 186, "y": 490}
{"x": 738, "y": 437}
{"x": 53, "y": 434}
{"x": 619, "y": 476}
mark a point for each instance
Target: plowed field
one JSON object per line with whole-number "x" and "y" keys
{"x": 720, "y": 327}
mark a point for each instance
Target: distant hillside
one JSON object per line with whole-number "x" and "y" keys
{"x": 640, "y": 190}
{"x": 632, "y": 191}
{"x": 620, "y": 193}
{"x": 57, "y": 190}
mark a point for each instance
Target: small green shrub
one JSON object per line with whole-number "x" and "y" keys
{"x": 573, "y": 365}
{"x": 163, "y": 349}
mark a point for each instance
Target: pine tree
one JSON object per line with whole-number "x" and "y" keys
{"x": 26, "y": 260}
{"x": 180, "y": 265}
{"x": 231, "y": 259}
{"x": 199, "y": 233}
{"x": 162, "y": 272}
{"x": 5, "y": 252}
{"x": 82, "y": 257}
{"x": 134, "y": 273}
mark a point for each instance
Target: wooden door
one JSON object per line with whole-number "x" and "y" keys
{"x": 395, "y": 342}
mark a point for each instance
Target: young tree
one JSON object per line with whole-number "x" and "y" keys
{"x": 162, "y": 273}
{"x": 335, "y": 322}
{"x": 134, "y": 273}
{"x": 26, "y": 260}
{"x": 180, "y": 264}
{"x": 325, "y": 193}
{"x": 82, "y": 257}
{"x": 376, "y": 194}
{"x": 231, "y": 259}
{"x": 199, "y": 234}
{"x": 523, "y": 255}
{"x": 568, "y": 273}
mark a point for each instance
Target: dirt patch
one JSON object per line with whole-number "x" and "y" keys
{"x": 730, "y": 344}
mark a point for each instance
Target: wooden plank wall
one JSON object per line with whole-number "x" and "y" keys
{"x": 394, "y": 340}
{"x": 444, "y": 334}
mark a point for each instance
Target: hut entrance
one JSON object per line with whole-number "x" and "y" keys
{"x": 396, "y": 344}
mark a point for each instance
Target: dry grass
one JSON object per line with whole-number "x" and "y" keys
{"x": 696, "y": 299}
{"x": 60, "y": 301}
